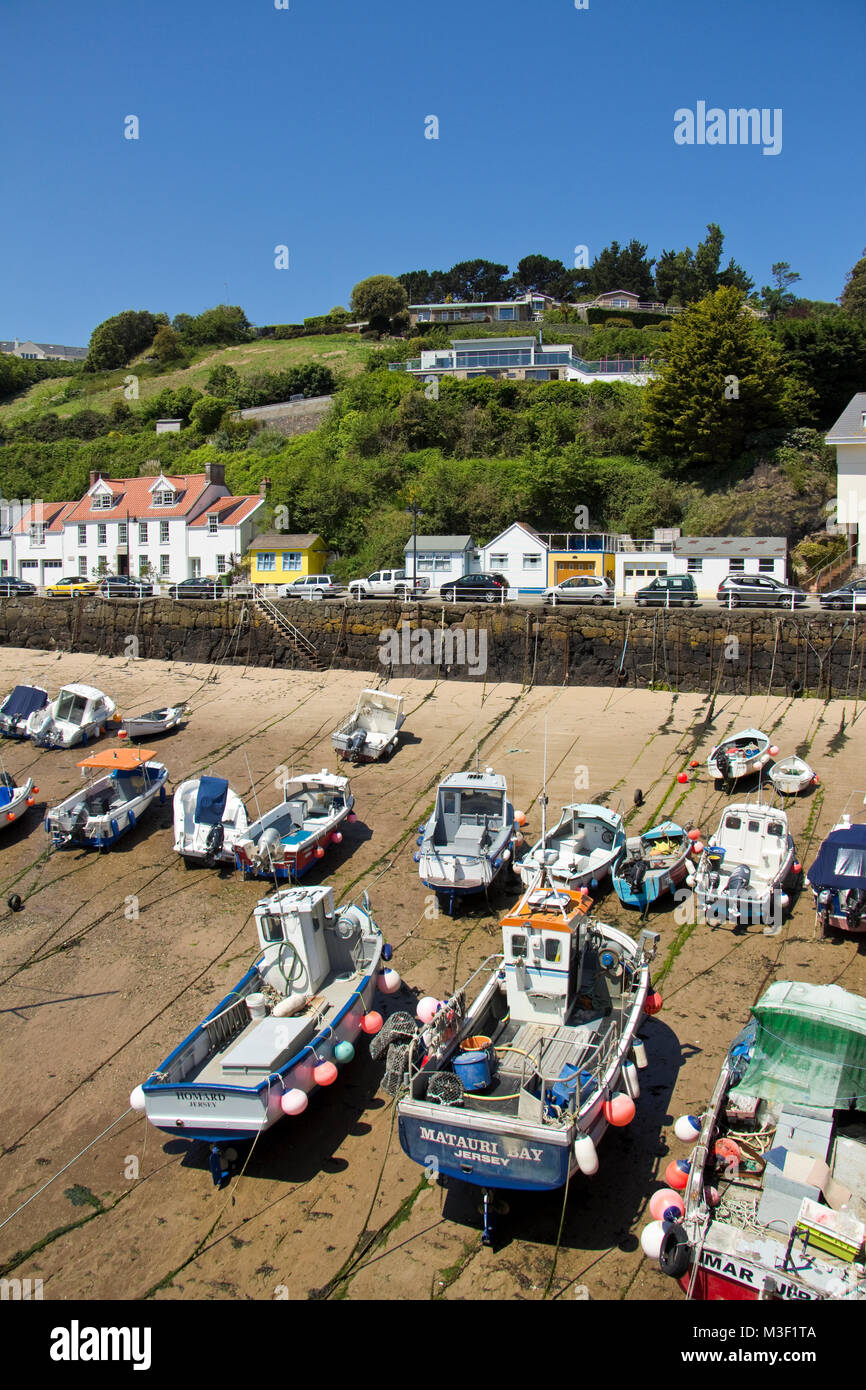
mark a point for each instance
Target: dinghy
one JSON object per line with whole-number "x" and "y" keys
{"x": 373, "y": 731}
{"x": 209, "y": 819}
{"x": 513, "y": 1081}
{"x": 282, "y": 1031}
{"x": 294, "y": 834}
{"x": 588, "y": 842}
{"x": 771, "y": 1201}
{"x": 655, "y": 863}
{"x": 791, "y": 775}
{"x": 747, "y": 869}
{"x": 838, "y": 878}
{"x": 740, "y": 755}
{"x": 157, "y": 721}
{"x": 19, "y": 710}
{"x": 78, "y": 714}
{"x": 97, "y": 816}
{"x": 15, "y": 799}
{"x": 465, "y": 843}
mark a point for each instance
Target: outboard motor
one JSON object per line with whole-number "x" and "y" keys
{"x": 213, "y": 845}
{"x": 356, "y": 743}
{"x": 855, "y": 907}
{"x": 736, "y": 888}
{"x": 723, "y": 763}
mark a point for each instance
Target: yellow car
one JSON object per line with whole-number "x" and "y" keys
{"x": 68, "y": 588}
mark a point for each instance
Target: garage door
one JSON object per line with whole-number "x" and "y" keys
{"x": 636, "y": 576}
{"x": 566, "y": 568}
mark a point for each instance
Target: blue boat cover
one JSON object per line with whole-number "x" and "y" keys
{"x": 841, "y": 861}
{"x": 24, "y": 701}
{"x": 5, "y": 796}
{"x": 211, "y": 800}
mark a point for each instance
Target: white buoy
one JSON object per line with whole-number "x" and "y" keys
{"x": 630, "y": 1080}
{"x": 137, "y": 1099}
{"x": 687, "y": 1128}
{"x": 691, "y": 880}
{"x": 388, "y": 982}
{"x": 586, "y": 1154}
{"x": 639, "y": 1053}
{"x": 292, "y": 1005}
{"x": 651, "y": 1238}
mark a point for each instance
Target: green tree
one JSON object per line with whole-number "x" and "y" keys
{"x": 779, "y": 297}
{"x": 623, "y": 268}
{"x": 721, "y": 383}
{"x": 827, "y": 354}
{"x": 684, "y": 276}
{"x": 207, "y": 413}
{"x": 379, "y": 299}
{"x": 545, "y": 276}
{"x": 479, "y": 280}
{"x": 115, "y": 341}
{"x": 853, "y": 297}
{"x": 166, "y": 345}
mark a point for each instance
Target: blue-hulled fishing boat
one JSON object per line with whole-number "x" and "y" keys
{"x": 655, "y": 863}
{"x": 96, "y": 816}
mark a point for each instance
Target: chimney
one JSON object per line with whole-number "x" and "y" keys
{"x": 215, "y": 473}
{"x": 95, "y": 475}
{"x": 264, "y": 487}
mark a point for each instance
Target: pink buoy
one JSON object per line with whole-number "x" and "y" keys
{"x": 712, "y": 1196}
{"x": 294, "y": 1102}
{"x": 351, "y": 818}
{"x": 388, "y": 981}
{"x": 320, "y": 853}
{"x": 677, "y": 1174}
{"x": 698, "y": 846}
{"x": 662, "y": 1201}
{"x": 337, "y": 837}
{"x": 619, "y": 1110}
{"x": 427, "y": 1009}
{"x": 371, "y": 1022}
{"x": 325, "y": 1074}
{"x": 694, "y": 834}
{"x": 121, "y": 733}
{"x": 653, "y": 1003}
{"x": 774, "y": 752}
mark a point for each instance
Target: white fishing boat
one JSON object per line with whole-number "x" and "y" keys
{"x": 209, "y": 819}
{"x": 19, "y": 710}
{"x": 79, "y": 713}
{"x": 747, "y": 870}
{"x": 587, "y": 841}
{"x": 96, "y": 816}
{"x": 513, "y": 1081}
{"x": 156, "y": 721}
{"x": 15, "y": 798}
{"x": 655, "y": 863}
{"x": 282, "y": 1031}
{"x": 740, "y": 755}
{"x": 373, "y": 731}
{"x": 465, "y": 843}
{"x": 791, "y": 775}
{"x": 289, "y": 838}
{"x": 770, "y": 1202}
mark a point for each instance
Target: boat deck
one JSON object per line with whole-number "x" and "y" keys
{"x": 574, "y": 1044}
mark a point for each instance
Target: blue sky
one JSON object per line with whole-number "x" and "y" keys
{"x": 305, "y": 127}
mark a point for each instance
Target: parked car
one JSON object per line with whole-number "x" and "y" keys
{"x": 389, "y": 584}
{"x": 10, "y": 587}
{"x": 581, "y": 588}
{"x": 197, "y": 588}
{"x": 313, "y": 586}
{"x": 122, "y": 586}
{"x": 70, "y": 586}
{"x": 668, "y": 589}
{"x": 758, "y": 590}
{"x": 849, "y": 596}
{"x": 490, "y": 588}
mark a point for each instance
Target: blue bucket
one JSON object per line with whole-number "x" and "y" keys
{"x": 473, "y": 1069}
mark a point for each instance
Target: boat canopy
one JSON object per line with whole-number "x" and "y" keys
{"x": 126, "y": 759}
{"x": 841, "y": 861}
{"x": 211, "y": 800}
{"x": 810, "y": 1047}
{"x": 24, "y": 701}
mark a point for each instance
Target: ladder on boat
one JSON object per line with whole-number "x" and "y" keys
{"x": 301, "y": 644}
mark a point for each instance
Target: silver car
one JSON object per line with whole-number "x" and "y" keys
{"x": 316, "y": 586}
{"x": 581, "y": 588}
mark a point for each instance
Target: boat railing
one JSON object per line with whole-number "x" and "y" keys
{"x": 456, "y": 1007}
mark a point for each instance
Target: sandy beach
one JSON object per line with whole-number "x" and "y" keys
{"x": 115, "y": 957}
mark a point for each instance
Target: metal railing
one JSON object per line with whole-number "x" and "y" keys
{"x": 280, "y": 621}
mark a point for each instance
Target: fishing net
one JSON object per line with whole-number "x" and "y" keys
{"x": 400, "y": 1027}
{"x": 445, "y": 1088}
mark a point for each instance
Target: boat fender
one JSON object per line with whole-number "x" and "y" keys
{"x": 586, "y": 1155}
{"x": 131, "y": 819}
{"x": 114, "y": 830}
{"x": 630, "y": 1080}
{"x": 674, "y": 1253}
{"x": 638, "y": 1050}
{"x": 162, "y": 796}
{"x": 292, "y": 1005}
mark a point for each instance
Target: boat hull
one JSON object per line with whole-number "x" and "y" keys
{"x": 102, "y": 832}
{"x": 653, "y": 887}
{"x": 727, "y": 1278}
{"x": 487, "y": 1155}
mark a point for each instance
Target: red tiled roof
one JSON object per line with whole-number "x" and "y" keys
{"x": 53, "y": 516}
{"x": 230, "y": 510}
{"x": 133, "y": 497}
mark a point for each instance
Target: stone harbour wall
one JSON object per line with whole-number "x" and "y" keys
{"x": 817, "y": 654}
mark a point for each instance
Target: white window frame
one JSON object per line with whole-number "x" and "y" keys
{"x": 165, "y": 565}
{"x": 163, "y": 533}
{"x": 102, "y": 534}
{"x": 82, "y": 535}
{"x": 142, "y": 533}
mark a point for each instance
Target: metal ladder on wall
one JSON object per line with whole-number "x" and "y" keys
{"x": 302, "y": 645}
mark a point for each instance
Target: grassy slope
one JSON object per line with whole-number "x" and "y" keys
{"x": 342, "y": 352}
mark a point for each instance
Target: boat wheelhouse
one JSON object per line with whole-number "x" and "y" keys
{"x": 465, "y": 843}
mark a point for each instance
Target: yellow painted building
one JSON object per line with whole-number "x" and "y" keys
{"x": 277, "y": 558}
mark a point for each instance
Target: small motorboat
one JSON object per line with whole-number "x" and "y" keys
{"x": 791, "y": 775}
{"x": 373, "y": 731}
{"x": 769, "y": 1204}
{"x": 19, "y": 710}
{"x": 838, "y": 878}
{"x": 287, "y": 840}
{"x": 15, "y": 799}
{"x": 740, "y": 755}
{"x": 747, "y": 869}
{"x": 157, "y": 721}
{"x": 513, "y": 1081}
{"x": 79, "y": 714}
{"x": 281, "y": 1032}
{"x": 97, "y": 816}
{"x": 588, "y": 842}
{"x": 655, "y": 863}
{"x": 465, "y": 843}
{"x": 209, "y": 818}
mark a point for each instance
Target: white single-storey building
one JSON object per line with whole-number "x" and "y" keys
{"x": 709, "y": 559}
{"x": 520, "y": 554}
{"x": 440, "y": 558}
{"x": 849, "y": 437}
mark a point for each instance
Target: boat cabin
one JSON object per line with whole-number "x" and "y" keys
{"x": 542, "y": 942}
{"x": 471, "y": 809}
{"x": 755, "y": 836}
{"x": 295, "y": 922}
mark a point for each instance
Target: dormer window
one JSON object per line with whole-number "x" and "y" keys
{"x": 102, "y": 501}
{"x": 167, "y": 497}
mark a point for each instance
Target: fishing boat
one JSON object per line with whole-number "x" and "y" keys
{"x": 209, "y": 818}
{"x": 125, "y": 787}
{"x": 838, "y": 878}
{"x": 79, "y": 713}
{"x": 290, "y": 837}
{"x": 19, "y": 710}
{"x": 465, "y": 843}
{"x": 740, "y": 755}
{"x": 772, "y": 1199}
{"x": 373, "y": 731}
{"x": 15, "y": 799}
{"x": 655, "y": 863}
{"x": 748, "y": 868}
{"x": 281, "y": 1032}
{"x": 513, "y": 1081}
{"x": 588, "y": 841}
{"x": 156, "y": 721}
{"x": 791, "y": 775}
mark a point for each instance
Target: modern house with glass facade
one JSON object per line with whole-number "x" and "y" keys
{"x": 519, "y": 359}
{"x": 530, "y": 307}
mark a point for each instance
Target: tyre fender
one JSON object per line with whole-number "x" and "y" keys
{"x": 674, "y": 1255}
